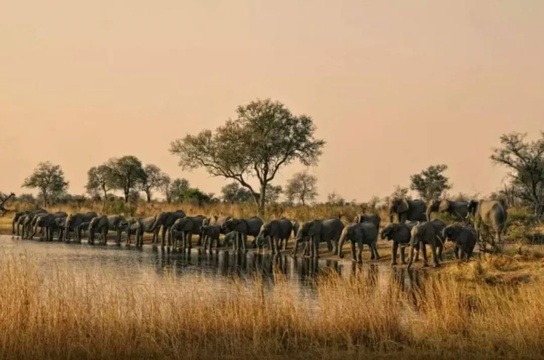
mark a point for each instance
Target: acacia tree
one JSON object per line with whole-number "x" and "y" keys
{"x": 49, "y": 179}
{"x": 525, "y": 160}
{"x": 301, "y": 186}
{"x": 264, "y": 137}
{"x": 430, "y": 183}
{"x": 127, "y": 174}
{"x": 155, "y": 178}
{"x": 99, "y": 179}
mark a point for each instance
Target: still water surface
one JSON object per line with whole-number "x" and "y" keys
{"x": 135, "y": 265}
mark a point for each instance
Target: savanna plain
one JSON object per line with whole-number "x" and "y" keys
{"x": 489, "y": 307}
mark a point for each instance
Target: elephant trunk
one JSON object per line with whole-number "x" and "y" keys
{"x": 428, "y": 213}
{"x": 341, "y": 245}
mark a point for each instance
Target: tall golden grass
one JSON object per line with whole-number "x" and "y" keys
{"x": 71, "y": 311}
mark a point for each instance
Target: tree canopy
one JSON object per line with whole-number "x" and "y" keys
{"x": 264, "y": 137}
{"x": 155, "y": 178}
{"x": 127, "y": 174}
{"x": 49, "y": 179}
{"x": 525, "y": 162}
{"x": 301, "y": 187}
{"x": 430, "y": 183}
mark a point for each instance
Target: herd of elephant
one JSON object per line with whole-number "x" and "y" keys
{"x": 414, "y": 228}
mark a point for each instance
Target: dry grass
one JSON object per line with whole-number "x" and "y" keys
{"x": 83, "y": 313}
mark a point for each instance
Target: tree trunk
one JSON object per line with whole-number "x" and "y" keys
{"x": 127, "y": 193}
{"x": 262, "y": 200}
{"x": 148, "y": 194}
{"x": 44, "y": 196}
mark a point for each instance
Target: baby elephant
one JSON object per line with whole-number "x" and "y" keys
{"x": 464, "y": 238}
{"x": 362, "y": 234}
{"x": 210, "y": 234}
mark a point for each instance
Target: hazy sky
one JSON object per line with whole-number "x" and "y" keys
{"x": 393, "y": 86}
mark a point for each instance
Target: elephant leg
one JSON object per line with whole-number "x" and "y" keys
{"x": 316, "y": 247}
{"x": 424, "y": 252}
{"x": 402, "y": 255}
{"x": 332, "y": 247}
{"x": 360, "y": 252}
{"x": 434, "y": 255}
{"x": 295, "y": 248}
{"x": 353, "y": 254}
{"x": 285, "y": 243}
{"x": 244, "y": 240}
{"x": 394, "y": 250}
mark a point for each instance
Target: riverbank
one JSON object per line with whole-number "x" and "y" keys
{"x": 456, "y": 311}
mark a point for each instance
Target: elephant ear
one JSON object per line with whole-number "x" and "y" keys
{"x": 402, "y": 206}
{"x": 444, "y": 205}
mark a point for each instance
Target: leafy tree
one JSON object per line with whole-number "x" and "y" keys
{"x": 154, "y": 179}
{"x": 302, "y": 186}
{"x": 234, "y": 193}
{"x": 430, "y": 183}
{"x": 178, "y": 189}
{"x": 196, "y": 196}
{"x": 49, "y": 179}
{"x": 264, "y": 137}
{"x": 99, "y": 180}
{"x": 525, "y": 160}
{"x": 272, "y": 194}
{"x": 127, "y": 174}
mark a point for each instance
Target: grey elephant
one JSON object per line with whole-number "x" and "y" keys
{"x": 210, "y": 235}
{"x": 165, "y": 220}
{"x": 277, "y": 233}
{"x": 49, "y": 223}
{"x": 229, "y": 238}
{"x": 244, "y": 228}
{"x": 187, "y": 226}
{"x": 213, "y": 220}
{"x": 458, "y": 209}
{"x": 407, "y": 210}
{"x": 464, "y": 238}
{"x": 488, "y": 214}
{"x": 73, "y": 223}
{"x": 141, "y": 226}
{"x": 427, "y": 233}
{"x": 364, "y": 233}
{"x": 17, "y": 220}
{"x": 368, "y": 218}
{"x": 400, "y": 234}
{"x": 318, "y": 230}
{"x": 27, "y": 222}
{"x": 103, "y": 224}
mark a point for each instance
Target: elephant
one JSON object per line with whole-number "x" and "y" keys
{"x": 27, "y": 222}
{"x": 371, "y": 218}
{"x": 49, "y": 223}
{"x": 363, "y": 233}
{"x": 213, "y": 220}
{"x": 318, "y": 230}
{"x": 407, "y": 210}
{"x": 73, "y": 223}
{"x": 103, "y": 224}
{"x": 229, "y": 238}
{"x": 140, "y": 226}
{"x": 488, "y": 214}
{"x": 429, "y": 232}
{"x": 464, "y": 238}
{"x": 131, "y": 227}
{"x": 188, "y": 226}
{"x": 275, "y": 231}
{"x": 165, "y": 220}
{"x": 400, "y": 235}
{"x": 244, "y": 228}
{"x": 458, "y": 209}
{"x": 210, "y": 235}
{"x": 23, "y": 220}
